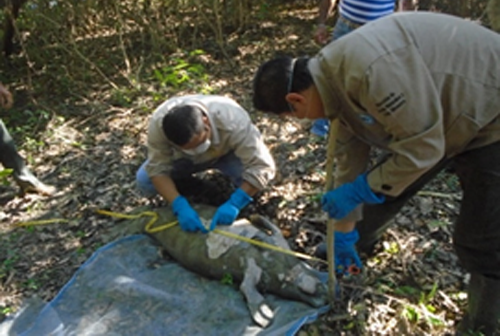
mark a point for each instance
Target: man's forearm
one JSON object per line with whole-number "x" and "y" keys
{"x": 248, "y": 188}
{"x": 325, "y": 8}
{"x": 345, "y": 226}
{"x": 165, "y": 187}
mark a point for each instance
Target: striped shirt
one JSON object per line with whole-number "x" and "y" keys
{"x": 363, "y": 11}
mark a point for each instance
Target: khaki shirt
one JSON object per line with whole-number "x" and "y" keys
{"x": 422, "y": 86}
{"x": 231, "y": 130}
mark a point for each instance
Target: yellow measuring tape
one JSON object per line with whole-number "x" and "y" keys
{"x": 150, "y": 229}
{"x": 154, "y": 217}
{"x": 42, "y": 222}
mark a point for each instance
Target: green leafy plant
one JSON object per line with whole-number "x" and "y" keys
{"x": 184, "y": 73}
{"x": 424, "y": 311}
{"x": 315, "y": 197}
{"x": 391, "y": 248}
{"x": 407, "y": 291}
{"x": 31, "y": 284}
{"x": 227, "y": 279}
{"x": 81, "y": 251}
{"x": 8, "y": 264}
{"x": 7, "y": 310}
{"x": 434, "y": 224}
{"x": 4, "y": 174}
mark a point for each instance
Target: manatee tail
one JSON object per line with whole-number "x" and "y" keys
{"x": 493, "y": 12}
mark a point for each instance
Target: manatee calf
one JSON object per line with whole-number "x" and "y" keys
{"x": 257, "y": 269}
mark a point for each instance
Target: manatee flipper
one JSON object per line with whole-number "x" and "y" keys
{"x": 260, "y": 311}
{"x": 274, "y": 235}
{"x": 263, "y": 224}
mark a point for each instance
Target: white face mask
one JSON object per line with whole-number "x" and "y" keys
{"x": 198, "y": 150}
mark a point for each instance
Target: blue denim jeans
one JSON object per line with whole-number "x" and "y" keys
{"x": 228, "y": 164}
{"x": 343, "y": 27}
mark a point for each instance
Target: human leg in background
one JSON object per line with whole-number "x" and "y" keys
{"x": 231, "y": 166}
{"x": 183, "y": 171}
{"x": 11, "y": 159}
{"x": 476, "y": 238}
{"x": 181, "y": 174}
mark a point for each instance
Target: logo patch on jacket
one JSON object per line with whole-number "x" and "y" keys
{"x": 391, "y": 103}
{"x": 367, "y": 119}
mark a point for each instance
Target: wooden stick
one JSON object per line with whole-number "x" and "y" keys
{"x": 330, "y": 225}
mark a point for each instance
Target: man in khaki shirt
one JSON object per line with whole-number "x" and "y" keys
{"x": 194, "y": 133}
{"x": 425, "y": 88}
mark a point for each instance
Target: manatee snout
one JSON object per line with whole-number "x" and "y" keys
{"x": 303, "y": 284}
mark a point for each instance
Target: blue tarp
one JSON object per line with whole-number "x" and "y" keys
{"x": 126, "y": 288}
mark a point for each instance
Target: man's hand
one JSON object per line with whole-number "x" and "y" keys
{"x": 322, "y": 35}
{"x": 345, "y": 251}
{"x": 187, "y": 217}
{"x": 339, "y": 202}
{"x": 5, "y": 97}
{"x": 227, "y": 212}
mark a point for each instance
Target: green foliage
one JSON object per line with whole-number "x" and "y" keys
{"x": 81, "y": 251}
{"x": 407, "y": 291}
{"x": 425, "y": 298}
{"x": 4, "y": 174}
{"x": 24, "y": 119}
{"x": 315, "y": 198}
{"x": 435, "y": 224}
{"x": 7, "y": 310}
{"x": 33, "y": 145}
{"x": 31, "y": 284}
{"x": 411, "y": 314}
{"x": 424, "y": 311}
{"x": 8, "y": 264}
{"x": 263, "y": 11}
{"x": 350, "y": 325}
{"x": 80, "y": 234}
{"x": 391, "y": 248}
{"x": 227, "y": 279}
{"x": 183, "y": 72}
{"x": 121, "y": 97}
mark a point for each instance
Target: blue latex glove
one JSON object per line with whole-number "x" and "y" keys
{"x": 187, "y": 217}
{"x": 227, "y": 212}
{"x": 341, "y": 201}
{"x": 345, "y": 251}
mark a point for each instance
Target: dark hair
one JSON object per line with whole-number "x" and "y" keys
{"x": 272, "y": 80}
{"x": 181, "y": 123}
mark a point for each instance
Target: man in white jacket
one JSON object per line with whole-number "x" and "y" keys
{"x": 195, "y": 133}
